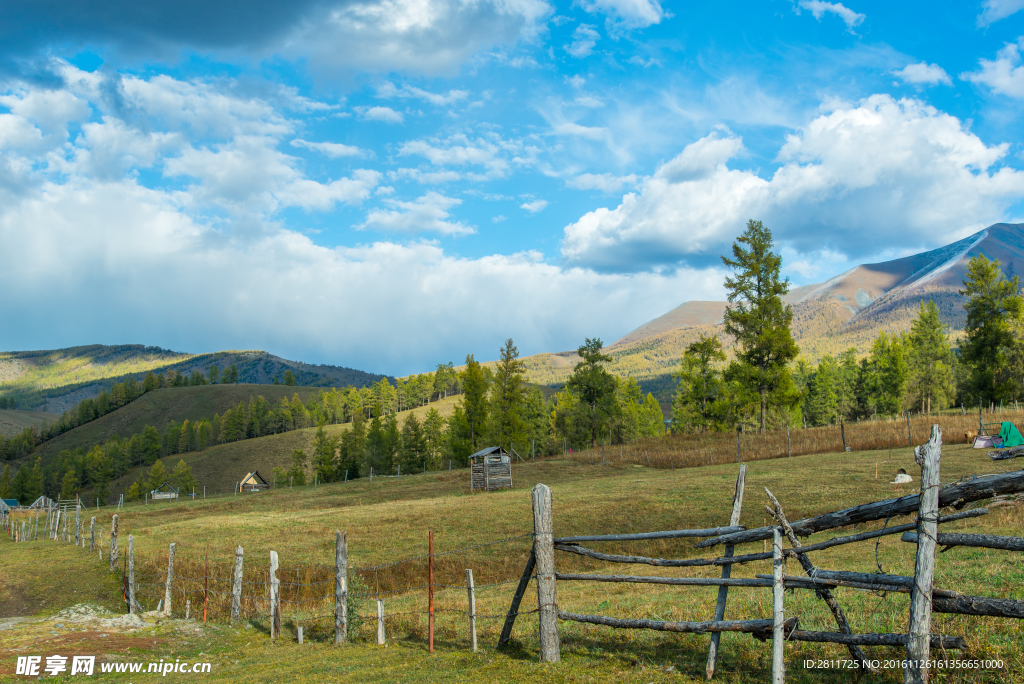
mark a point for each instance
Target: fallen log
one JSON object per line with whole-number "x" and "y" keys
{"x": 1004, "y": 454}
{"x": 937, "y": 641}
{"x": 751, "y": 626}
{"x": 678, "y": 581}
{"x": 957, "y": 495}
{"x": 984, "y": 541}
{"x": 640, "y": 536}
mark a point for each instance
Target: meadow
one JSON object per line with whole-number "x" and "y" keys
{"x": 387, "y": 522}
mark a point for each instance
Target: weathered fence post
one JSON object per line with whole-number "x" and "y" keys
{"x": 64, "y": 530}
{"x": 131, "y": 574}
{"x": 919, "y": 637}
{"x": 170, "y": 579}
{"x": 380, "y": 622}
{"x": 188, "y": 608}
{"x": 430, "y": 591}
{"x": 113, "y": 543}
{"x": 547, "y": 595}
{"x": 739, "y": 457}
{"x": 472, "y": 607}
{"x": 825, "y": 594}
{"x": 723, "y": 592}
{"x": 236, "y": 586}
{"x": 92, "y": 534}
{"x": 910, "y": 437}
{"x": 789, "y": 442}
{"x": 340, "y": 586}
{"x": 78, "y": 522}
{"x": 779, "y": 612}
{"x": 275, "y": 597}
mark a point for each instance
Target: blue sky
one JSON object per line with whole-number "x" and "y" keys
{"x": 389, "y": 184}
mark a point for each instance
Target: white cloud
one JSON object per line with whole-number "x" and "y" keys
{"x": 281, "y": 292}
{"x": 627, "y": 14}
{"x": 388, "y": 90}
{"x": 496, "y": 155}
{"x": 428, "y": 213}
{"x": 576, "y": 130}
{"x": 425, "y": 177}
{"x": 534, "y": 207}
{"x": 332, "y": 150}
{"x": 1004, "y": 75}
{"x": 385, "y": 114}
{"x": 923, "y": 74}
{"x": 994, "y": 10}
{"x": 819, "y": 8}
{"x": 850, "y": 181}
{"x": 605, "y": 182}
{"x": 420, "y": 36}
{"x": 584, "y": 40}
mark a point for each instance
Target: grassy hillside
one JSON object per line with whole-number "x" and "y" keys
{"x": 220, "y": 467}
{"x": 160, "y": 407}
{"x": 387, "y": 520}
{"x": 58, "y": 379}
{"x": 12, "y": 422}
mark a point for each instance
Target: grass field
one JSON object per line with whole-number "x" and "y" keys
{"x": 387, "y": 521}
{"x": 14, "y": 422}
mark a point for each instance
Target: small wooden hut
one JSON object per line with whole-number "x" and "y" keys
{"x": 8, "y": 505}
{"x": 164, "y": 491}
{"x": 253, "y": 482}
{"x": 43, "y": 503}
{"x": 490, "y": 468}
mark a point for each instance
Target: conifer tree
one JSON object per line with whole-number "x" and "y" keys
{"x": 930, "y": 359}
{"x": 474, "y": 401}
{"x": 508, "y": 395}
{"x": 699, "y": 383}
{"x": 995, "y": 310}
{"x": 594, "y": 387}
{"x": 157, "y": 475}
{"x": 759, "y": 320}
{"x": 182, "y": 478}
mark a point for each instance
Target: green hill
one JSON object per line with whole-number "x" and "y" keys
{"x": 13, "y": 422}
{"x": 221, "y": 466}
{"x": 160, "y": 407}
{"x": 55, "y": 380}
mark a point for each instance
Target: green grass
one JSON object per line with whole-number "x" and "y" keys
{"x": 388, "y": 519}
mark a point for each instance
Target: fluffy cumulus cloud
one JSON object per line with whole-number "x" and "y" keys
{"x": 584, "y": 40}
{"x": 923, "y": 74}
{"x": 329, "y": 149}
{"x": 1003, "y": 75}
{"x": 282, "y": 292}
{"x": 847, "y": 182}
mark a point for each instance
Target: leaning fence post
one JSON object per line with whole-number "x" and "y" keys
{"x": 78, "y": 522}
{"x": 472, "y": 607}
{"x": 92, "y": 534}
{"x": 380, "y": 622}
{"x": 723, "y": 591}
{"x": 236, "y": 586}
{"x": 131, "y": 574}
{"x": 340, "y": 586}
{"x": 919, "y": 637}
{"x": 170, "y": 579}
{"x": 275, "y": 597}
{"x": 547, "y": 595}
{"x": 779, "y": 612}
{"x": 113, "y": 543}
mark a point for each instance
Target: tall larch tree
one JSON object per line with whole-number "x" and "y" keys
{"x": 758, "y": 318}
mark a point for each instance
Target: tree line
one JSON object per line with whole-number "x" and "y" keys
{"x": 765, "y": 385}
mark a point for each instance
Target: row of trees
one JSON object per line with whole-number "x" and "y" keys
{"x": 917, "y": 370}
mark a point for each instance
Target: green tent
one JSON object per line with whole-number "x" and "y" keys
{"x": 1010, "y": 436}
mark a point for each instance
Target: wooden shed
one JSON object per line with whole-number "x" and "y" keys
{"x": 164, "y": 491}
{"x": 490, "y": 468}
{"x": 253, "y": 482}
{"x": 43, "y": 503}
{"x": 7, "y": 505}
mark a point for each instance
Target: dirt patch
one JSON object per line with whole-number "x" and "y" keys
{"x": 16, "y": 603}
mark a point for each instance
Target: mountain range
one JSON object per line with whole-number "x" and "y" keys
{"x": 848, "y": 310}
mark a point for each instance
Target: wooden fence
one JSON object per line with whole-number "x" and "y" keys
{"x": 925, "y": 597}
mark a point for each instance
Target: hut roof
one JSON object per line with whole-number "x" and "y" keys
{"x": 43, "y": 502}
{"x": 487, "y": 451}
{"x": 254, "y": 478}
{"x": 165, "y": 487}
{"x": 8, "y": 503}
